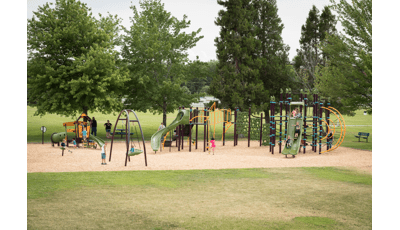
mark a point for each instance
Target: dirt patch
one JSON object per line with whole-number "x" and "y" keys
{"x": 45, "y": 158}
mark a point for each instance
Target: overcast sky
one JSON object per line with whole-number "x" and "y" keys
{"x": 202, "y": 14}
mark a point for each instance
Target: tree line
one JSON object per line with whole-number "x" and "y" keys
{"x": 74, "y": 66}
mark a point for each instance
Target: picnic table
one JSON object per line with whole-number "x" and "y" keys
{"x": 120, "y": 132}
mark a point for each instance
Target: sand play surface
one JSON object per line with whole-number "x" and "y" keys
{"x": 45, "y": 158}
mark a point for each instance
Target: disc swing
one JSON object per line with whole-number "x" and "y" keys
{"x": 134, "y": 151}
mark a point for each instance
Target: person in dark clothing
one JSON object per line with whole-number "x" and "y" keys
{"x": 108, "y": 128}
{"x": 94, "y": 127}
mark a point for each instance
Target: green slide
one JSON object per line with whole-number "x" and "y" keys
{"x": 181, "y": 119}
{"x": 296, "y": 142}
{"x": 99, "y": 141}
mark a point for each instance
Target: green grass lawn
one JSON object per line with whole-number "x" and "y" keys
{"x": 280, "y": 198}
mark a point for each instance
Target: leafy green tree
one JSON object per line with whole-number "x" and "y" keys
{"x": 72, "y": 61}
{"x": 202, "y": 76}
{"x": 237, "y": 83}
{"x": 155, "y": 51}
{"x": 347, "y": 76}
{"x": 309, "y": 55}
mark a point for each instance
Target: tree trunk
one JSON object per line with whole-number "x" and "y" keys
{"x": 85, "y": 111}
{"x": 165, "y": 113}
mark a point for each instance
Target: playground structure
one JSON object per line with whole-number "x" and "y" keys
{"x": 78, "y": 126}
{"x": 318, "y": 133}
{"x": 250, "y": 126}
{"x": 189, "y": 120}
{"x": 130, "y": 146}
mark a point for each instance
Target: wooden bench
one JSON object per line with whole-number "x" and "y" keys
{"x": 362, "y": 135}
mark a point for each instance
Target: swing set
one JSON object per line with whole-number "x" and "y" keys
{"x": 131, "y": 148}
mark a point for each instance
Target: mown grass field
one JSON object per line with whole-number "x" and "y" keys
{"x": 280, "y": 198}
{"x": 150, "y": 123}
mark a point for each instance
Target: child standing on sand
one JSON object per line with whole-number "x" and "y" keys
{"x": 103, "y": 154}
{"x": 213, "y": 144}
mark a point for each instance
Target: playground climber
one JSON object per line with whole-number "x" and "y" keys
{"x": 108, "y": 128}
{"x": 94, "y": 127}
{"x": 103, "y": 154}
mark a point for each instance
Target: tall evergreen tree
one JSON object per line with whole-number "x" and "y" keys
{"x": 72, "y": 61}
{"x": 313, "y": 33}
{"x": 273, "y": 53}
{"x": 251, "y": 53}
{"x": 237, "y": 83}
{"x": 155, "y": 52}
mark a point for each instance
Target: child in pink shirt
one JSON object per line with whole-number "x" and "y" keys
{"x": 213, "y": 144}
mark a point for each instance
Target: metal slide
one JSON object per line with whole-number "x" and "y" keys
{"x": 296, "y": 142}
{"x": 181, "y": 119}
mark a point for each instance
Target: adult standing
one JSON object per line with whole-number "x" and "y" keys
{"x": 108, "y": 128}
{"x": 94, "y": 127}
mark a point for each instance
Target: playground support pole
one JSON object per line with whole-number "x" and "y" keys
{"x": 197, "y": 121}
{"x": 205, "y": 130}
{"x": 305, "y": 117}
{"x": 286, "y": 115}
{"x": 280, "y": 123}
{"x": 320, "y": 126}
{"x": 301, "y": 109}
{"x": 208, "y": 127}
{"x": 234, "y": 128}
{"x": 272, "y": 126}
{"x": 183, "y": 132}
{"x": 190, "y": 129}
{"x": 261, "y": 129}
{"x": 313, "y": 125}
{"x": 223, "y": 126}
{"x": 327, "y": 120}
{"x": 248, "y": 135}
{"x": 178, "y": 132}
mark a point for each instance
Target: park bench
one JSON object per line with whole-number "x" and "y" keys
{"x": 362, "y": 135}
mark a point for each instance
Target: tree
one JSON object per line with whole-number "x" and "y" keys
{"x": 273, "y": 53}
{"x": 251, "y": 53}
{"x": 237, "y": 83}
{"x": 309, "y": 55}
{"x": 155, "y": 52}
{"x": 347, "y": 76}
{"x": 202, "y": 76}
{"x": 72, "y": 61}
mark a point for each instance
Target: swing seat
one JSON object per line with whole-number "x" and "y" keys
{"x": 135, "y": 152}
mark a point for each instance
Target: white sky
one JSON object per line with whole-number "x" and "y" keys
{"x": 202, "y": 14}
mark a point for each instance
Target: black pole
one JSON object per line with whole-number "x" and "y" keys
{"x": 261, "y": 129}
{"x": 205, "y": 131}
{"x": 305, "y": 123}
{"x": 248, "y": 136}
{"x": 190, "y": 129}
{"x": 197, "y": 121}
{"x": 280, "y": 122}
